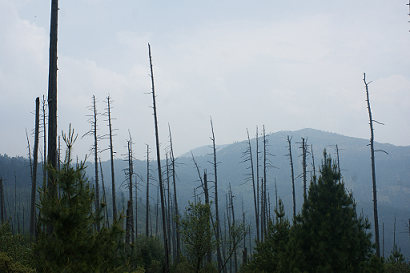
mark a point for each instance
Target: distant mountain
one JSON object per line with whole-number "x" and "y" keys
{"x": 392, "y": 174}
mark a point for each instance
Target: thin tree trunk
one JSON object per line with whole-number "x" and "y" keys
{"x": 293, "y": 176}
{"x": 257, "y": 184}
{"x": 147, "y": 201}
{"x": 130, "y": 175}
{"x": 97, "y": 188}
{"x": 166, "y": 269}
{"x": 178, "y": 240}
{"x": 218, "y": 249}
{"x": 136, "y": 207}
{"x": 34, "y": 173}
{"x": 255, "y": 199}
{"x": 376, "y": 218}
{"x": 114, "y": 207}
{"x": 106, "y": 220}
{"x": 304, "y": 169}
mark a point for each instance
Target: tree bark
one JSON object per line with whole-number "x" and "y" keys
{"x": 293, "y": 176}
{"x": 164, "y": 229}
{"x": 34, "y": 173}
{"x": 52, "y": 102}
{"x": 114, "y": 207}
{"x": 376, "y": 218}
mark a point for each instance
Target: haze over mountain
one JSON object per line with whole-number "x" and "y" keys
{"x": 392, "y": 170}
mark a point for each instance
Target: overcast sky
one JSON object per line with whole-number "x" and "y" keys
{"x": 287, "y": 65}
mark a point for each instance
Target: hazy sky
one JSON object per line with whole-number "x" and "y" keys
{"x": 287, "y": 65}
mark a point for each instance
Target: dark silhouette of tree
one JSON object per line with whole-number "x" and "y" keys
{"x": 248, "y": 156}
{"x": 328, "y": 235}
{"x": 94, "y": 148}
{"x": 114, "y": 207}
{"x": 218, "y": 225}
{"x": 52, "y": 100}
{"x": 34, "y": 172}
{"x": 292, "y": 175}
{"x": 375, "y": 214}
{"x": 161, "y": 188}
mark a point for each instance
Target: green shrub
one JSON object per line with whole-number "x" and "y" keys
{"x": 7, "y": 265}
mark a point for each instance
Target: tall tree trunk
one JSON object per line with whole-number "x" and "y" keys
{"x": 136, "y": 208}
{"x": 178, "y": 240}
{"x": 130, "y": 176}
{"x": 164, "y": 229}
{"x": 34, "y": 173}
{"x": 293, "y": 177}
{"x": 304, "y": 150}
{"x": 106, "y": 220}
{"x": 97, "y": 188}
{"x": 218, "y": 237}
{"x": 209, "y": 252}
{"x": 147, "y": 201}
{"x": 257, "y": 184}
{"x": 376, "y": 218}
{"x": 255, "y": 199}
{"x": 44, "y": 118}
{"x": 52, "y": 102}
{"x": 114, "y": 207}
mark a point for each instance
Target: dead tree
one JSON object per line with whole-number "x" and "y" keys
{"x": 107, "y": 222}
{"x": 147, "y": 201}
{"x": 248, "y": 156}
{"x": 292, "y": 175}
{"x": 215, "y": 164}
{"x": 129, "y": 174}
{"x": 114, "y": 207}
{"x": 44, "y": 125}
{"x": 257, "y": 184}
{"x": 52, "y": 102}
{"x": 376, "y": 218}
{"x": 164, "y": 229}
{"x": 178, "y": 240}
{"x": 34, "y": 172}
{"x": 304, "y": 165}
{"x": 313, "y": 163}
{"x": 94, "y": 148}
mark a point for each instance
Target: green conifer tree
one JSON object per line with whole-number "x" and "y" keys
{"x": 271, "y": 254}
{"x": 74, "y": 245}
{"x": 329, "y": 236}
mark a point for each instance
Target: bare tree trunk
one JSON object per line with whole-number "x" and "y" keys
{"x": 304, "y": 169}
{"x": 52, "y": 102}
{"x": 166, "y": 269}
{"x": 147, "y": 201}
{"x": 313, "y": 163}
{"x": 44, "y": 118}
{"x": 218, "y": 237}
{"x": 255, "y": 199}
{"x": 178, "y": 240}
{"x": 293, "y": 176}
{"x": 97, "y": 189}
{"x": 257, "y": 184}
{"x": 136, "y": 208}
{"x": 106, "y": 220}
{"x": 34, "y": 173}
{"x": 130, "y": 200}
{"x": 114, "y": 207}
{"x": 209, "y": 253}
{"x": 376, "y": 218}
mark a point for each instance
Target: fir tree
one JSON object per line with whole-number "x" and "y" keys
{"x": 329, "y": 236}
{"x": 74, "y": 245}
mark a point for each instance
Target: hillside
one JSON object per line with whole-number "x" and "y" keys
{"x": 393, "y": 176}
